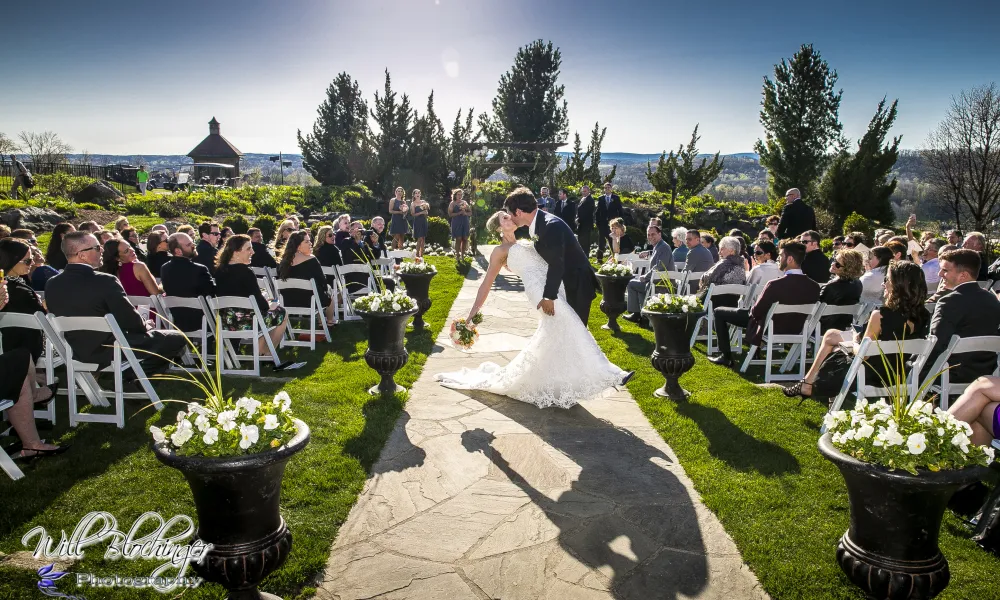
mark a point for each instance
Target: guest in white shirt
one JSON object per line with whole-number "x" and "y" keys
{"x": 765, "y": 268}
{"x": 930, "y": 265}
{"x": 878, "y": 262}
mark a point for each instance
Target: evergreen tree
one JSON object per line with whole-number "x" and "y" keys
{"x": 333, "y": 152}
{"x": 427, "y": 154}
{"x": 593, "y": 172}
{"x": 799, "y": 113}
{"x": 576, "y": 165}
{"x": 691, "y": 179}
{"x": 529, "y": 107}
{"x": 456, "y": 158}
{"x": 391, "y": 141}
{"x": 859, "y": 183}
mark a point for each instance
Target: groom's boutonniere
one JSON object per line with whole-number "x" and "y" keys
{"x": 535, "y": 238}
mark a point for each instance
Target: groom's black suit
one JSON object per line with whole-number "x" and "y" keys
{"x": 568, "y": 264}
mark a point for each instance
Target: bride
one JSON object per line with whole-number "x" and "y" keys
{"x": 562, "y": 364}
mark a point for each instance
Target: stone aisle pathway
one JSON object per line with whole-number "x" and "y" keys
{"x": 478, "y": 496}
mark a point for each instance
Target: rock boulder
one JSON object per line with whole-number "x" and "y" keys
{"x": 100, "y": 193}
{"x": 36, "y": 219}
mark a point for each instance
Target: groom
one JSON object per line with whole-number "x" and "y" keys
{"x": 556, "y": 244}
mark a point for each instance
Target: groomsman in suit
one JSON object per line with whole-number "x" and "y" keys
{"x": 609, "y": 207}
{"x": 566, "y": 209}
{"x": 546, "y": 202}
{"x": 797, "y": 216}
{"x": 585, "y": 219}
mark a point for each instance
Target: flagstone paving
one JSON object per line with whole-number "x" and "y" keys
{"x": 478, "y": 496}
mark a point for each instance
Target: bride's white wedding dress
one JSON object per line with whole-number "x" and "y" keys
{"x": 562, "y": 363}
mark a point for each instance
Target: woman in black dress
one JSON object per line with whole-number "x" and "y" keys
{"x": 157, "y": 252}
{"x": 621, "y": 242}
{"x": 15, "y": 260}
{"x": 54, "y": 256}
{"x": 844, "y": 289}
{"x": 298, "y": 262}
{"x": 233, "y": 277}
{"x": 398, "y": 227}
{"x": 419, "y": 209}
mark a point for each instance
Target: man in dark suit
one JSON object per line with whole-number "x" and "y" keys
{"x": 791, "y": 288}
{"x": 261, "y": 257}
{"x": 546, "y": 202}
{"x": 208, "y": 247}
{"x": 380, "y": 247}
{"x": 967, "y": 311}
{"x": 568, "y": 265}
{"x": 609, "y": 207}
{"x": 183, "y": 278}
{"x": 585, "y": 219}
{"x": 566, "y": 209}
{"x": 82, "y": 291}
{"x": 661, "y": 259}
{"x": 816, "y": 265}
{"x": 796, "y": 217}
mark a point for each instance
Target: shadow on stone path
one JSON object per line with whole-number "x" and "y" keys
{"x": 479, "y": 496}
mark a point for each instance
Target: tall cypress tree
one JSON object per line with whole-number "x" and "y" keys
{"x": 576, "y": 165}
{"x": 593, "y": 172}
{"x": 691, "y": 179}
{"x": 391, "y": 141}
{"x": 427, "y": 154}
{"x": 529, "y": 107}
{"x": 334, "y": 150}
{"x": 799, "y": 113}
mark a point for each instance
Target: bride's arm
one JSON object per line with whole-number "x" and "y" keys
{"x": 497, "y": 260}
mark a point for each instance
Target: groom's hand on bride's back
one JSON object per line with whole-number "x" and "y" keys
{"x": 547, "y": 306}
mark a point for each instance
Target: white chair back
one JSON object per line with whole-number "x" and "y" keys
{"x": 231, "y": 358}
{"x": 872, "y": 349}
{"x": 7, "y": 464}
{"x": 957, "y": 345}
{"x": 314, "y": 310}
{"x": 404, "y": 254}
{"x": 48, "y": 361}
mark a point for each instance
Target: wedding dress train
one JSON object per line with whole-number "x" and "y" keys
{"x": 561, "y": 365}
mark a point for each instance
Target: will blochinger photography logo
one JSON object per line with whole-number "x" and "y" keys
{"x": 151, "y": 537}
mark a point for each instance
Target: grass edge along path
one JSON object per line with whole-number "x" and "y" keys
{"x": 751, "y": 453}
{"x": 115, "y": 471}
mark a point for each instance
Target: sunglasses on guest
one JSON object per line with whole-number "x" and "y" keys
{"x": 837, "y": 264}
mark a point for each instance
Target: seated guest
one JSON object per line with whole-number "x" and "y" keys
{"x": 25, "y": 235}
{"x": 183, "y": 278}
{"x": 121, "y": 224}
{"x": 40, "y": 272}
{"x": 621, "y": 243}
{"x": 81, "y": 291}
{"x": 979, "y": 406}
{"x": 16, "y": 261}
{"x": 765, "y": 266}
{"x": 208, "y": 246}
{"x": 130, "y": 235}
{"x": 189, "y": 230}
{"x": 90, "y": 227}
{"x": 679, "y": 236}
{"x": 298, "y": 262}
{"x": 816, "y": 265}
{"x": 744, "y": 247}
{"x": 342, "y": 228}
{"x": 855, "y": 238}
{"x": 261, "y": 255}
{"x": 325, "y": 247}
{"x": 872, "y": 280}
{"x": 354, "y": 251}
{"x": 977, "y": 242}
{"x": 119, "y": 259}
{"x": 224, "y": 235}
{"x": 284, "y": 230}
{"x": 967, "y": 311}
{"x": 233, "y": 277}
{"x": 931, "y": 265}
{"x": 17, "y": 382}
{"x": 708, "y": 241}
{"x": 162, "y": 229}
{"x": 54, "y": 256}
{"x": 729, "y": 270}
{"x": 104, "y": 236}
{"x": 660, "y": 259}
{"x": 844, "y": 289}
{"x": 377, "y": 241}
{"x": 902, "y": 317}
{"x": 838, "y": 243}
{"x": 898, "y": 249}
{"x": 698, "y": 259}
{"x": 792, "y": 288}
{"x": 157, "y": 252}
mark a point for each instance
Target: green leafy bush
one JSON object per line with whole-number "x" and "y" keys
{"x": 638, "y": 235}
{"x": 856, "y": 222}
{"x": 61, "y": 184}
{"x": 140, "y": 205}
{"x": 438, "y": 231}
{"x": 238, "y": 223}
{"x": 270, "y": 207}
{"x": 267, "y": 225}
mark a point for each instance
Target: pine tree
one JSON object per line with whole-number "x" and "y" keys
{"x": 529, "y": 107}
{"x": 333, "y": 151}
{"x": 799, "y": 113}
{"x": 859, "y": 182}
{"x": 456, "y": 158}
{"x": 593, "y": 172}
{"x": 576, "y": 165}
{"x": 391, "y": 141}
{"x": 691, "y": 179}
{"x": 427, "y": 154}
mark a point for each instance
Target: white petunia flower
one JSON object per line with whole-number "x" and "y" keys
{"x": 158, "y": 435}
{"x": 282, "y": 397}
{"x": 893, "y": 437}
{"x": 181, "y": 436}
{"x": 270, "y": 422}
{"x": 940, "y": 431}
{"x": 211, "y": 436}
{"x": 249, "y": 405}
{"x": 181, "y": 416}
{"x": 202, "y": 423}
{"x": 249, "y": 434}
{"x": 685, "y": 308}
{"x": 865, "y": 431}
{"x": 185, "y": 425}
{"x": 396, "y": 307}
{"x": 916, "y": 443}
{"x": 227, "y": 419}
{"x": 989, "y": 452}
{"x": 962, "y": 441}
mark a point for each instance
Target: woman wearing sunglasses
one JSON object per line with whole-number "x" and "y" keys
{"x": 844, "y": 289}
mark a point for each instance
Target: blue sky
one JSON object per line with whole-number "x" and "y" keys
{"x": 145, "y": 78}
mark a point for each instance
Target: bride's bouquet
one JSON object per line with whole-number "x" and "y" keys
{"x": 463, "y": 332}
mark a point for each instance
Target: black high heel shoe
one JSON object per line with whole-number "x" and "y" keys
{"x": 796, "y": 390}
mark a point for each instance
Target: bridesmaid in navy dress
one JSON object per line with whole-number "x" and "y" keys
{"x": 398, "y": 227}
{"x": 419, "y": 209}
{"x": 460, "y": 212}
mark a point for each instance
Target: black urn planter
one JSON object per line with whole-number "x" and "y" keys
{"x": 891, "y": 549}
{"x": 672, "y": 356}
{"x": 613, "y": 290}
{"x": 237, "y": 502}
{"x": 386, "y": 352}
{"x": 418, "y": 287}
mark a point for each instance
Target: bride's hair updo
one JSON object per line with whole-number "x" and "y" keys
{"x": 493, "y": 223}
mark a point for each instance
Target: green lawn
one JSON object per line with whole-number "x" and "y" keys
{"x": 114, "y": 470}
{"x": 752, "y": 456}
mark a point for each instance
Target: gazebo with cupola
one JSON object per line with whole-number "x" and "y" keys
{"x": 217, "y": 151}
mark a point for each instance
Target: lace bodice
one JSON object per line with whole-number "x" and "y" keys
{"x": 525, "y": 262}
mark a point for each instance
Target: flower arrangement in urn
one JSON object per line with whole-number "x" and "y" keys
{"x": 673, "y": 304}
{"x": 612, "y": 269}
{"x": 417, "y": 267}
{"x": 385, "y": 302}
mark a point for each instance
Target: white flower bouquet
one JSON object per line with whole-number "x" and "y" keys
{"x": 385, "y": 303}
{"x": 615, "y": 270}
{"x": 907, "y": 437}
{"x": 416, "y": 268}
{"x": 673, "y": 303}
{"x": 228, "y": 428}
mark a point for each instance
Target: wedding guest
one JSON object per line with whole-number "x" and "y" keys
{"x": 545, "y": 202}
{"x": 342, "y": 227}
{"x": 89, "y": 227}
{"x": 183, "y": 278}
{"x": 977, "y": 242}
{"x": 765, "y": 268}
{"x": 27, "y": 235}
{"x": 209, "y": 234}
{"x": 233, "y": 277}
{"x": 955, "y": 237}
{"x": 772, "y": 225}
{"x": 796, "y": 217}
{"x": 609, "y": 206}
{"x": 844, "y": 289}
{"x": 565, "y": 208}
{"x": 17, "y": 382}
{"x": 898, "y": 250}
{"x": 104, "y": 236}
{"x": 460, "y": 213}
{"x": 353, "y": 251}
{"x": 419, "y": 209}
{"x": 157, "y": 252}
{"x": 660, "y": 259}
{"x": 730, "y": 269}
{"x": 838, "y": 243}
{"x": 120, "y": 224}
{"x": 679, "y": 236}
{"x": 325, "y": 248}
{"x": 16, "y": 262}
{"x": 224, "y": 235}
{"x": 130, "y": 235}
{"x": 378, "y": 243}
{"x": 284, "y": 230}
{"x": 871, "y": 281}
{"x": 902, "y": 317}
{"x": 979, "y": 406}
{"x": 119, "y": 259}
{"x": 189, "y": 230}
{"x": 40, "y": 272}
{"x": 816, "y": 265}
{"x": 931, "y": 264}
{"x": 621, "y": 243}
{"x": 699, "y": 259}
{"x": 398, "y": 227}
{"x": 54, "y": 255}
{"x": 585, "y": 219}
{"x": 261, "y": 255}
{"x": 855, "y": 238}
{"x": 298, "y": 262}
{"x": 708, "y": 241}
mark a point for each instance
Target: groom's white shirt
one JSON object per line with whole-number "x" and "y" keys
{"x": 531, "y": 228}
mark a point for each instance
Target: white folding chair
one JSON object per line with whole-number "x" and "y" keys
{"x": 873, "y": 350}
{"x": 771, "y": 339}
{"x": 640, "y": 266}
{"x": 693, "y": 280}
{"x": 199, "y": 337}
{"x": 346, "y": 295}
{"x": 47, "y": 362}
{"x": 231, "y": 359}
{"x": 267, "y": 276}
{"x": 945, "y": 388}
{"x": 985, "y": 284}
{"x": 404, "y": 254}
{"x": 311, "y": 312}
{"x": 660, "y": 279}
{"x": 730, "y": 289}
{"x": 83, "y": 376}
{"x": 6, "y": 462}
{"x": 825, "y": 310}
{"x": 627, "y": 258}
{"x": 146, "y": 307}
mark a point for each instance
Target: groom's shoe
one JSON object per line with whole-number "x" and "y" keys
{"x": 633, "y": 317}
{"x": 628, "y": 377}
{"x": 721, "y": 360}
